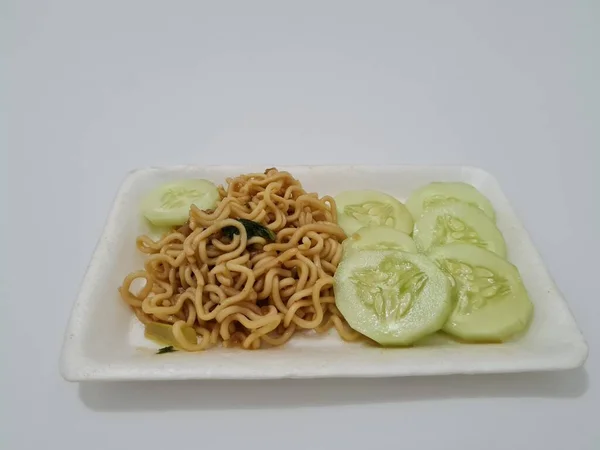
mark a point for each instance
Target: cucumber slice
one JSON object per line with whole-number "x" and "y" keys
{"x": 357, "y": 209}
{"x": 393, "y": 297}
{"x": 435, "y": 194}
{"x": 380, "y": 238}
{"x": 169, "y": 204}
{"x": 458, "y": 222}
{"x": 491, "y": 302}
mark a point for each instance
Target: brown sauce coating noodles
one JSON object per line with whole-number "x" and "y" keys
{"x": 239, "y": 291}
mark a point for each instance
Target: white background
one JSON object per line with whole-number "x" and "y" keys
{"x": 95, "y": 89}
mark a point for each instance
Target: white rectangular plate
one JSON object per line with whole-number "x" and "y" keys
{"x": 104, "y": 341}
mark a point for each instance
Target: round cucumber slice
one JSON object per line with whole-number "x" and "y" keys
{"x": 457, "y": 222}
{"x": 491, "y": 302}
{"x": 435, "y": 194}
{"x": 357, "y": 209}
{"x": 393, "y": 297}
{"x": 169, "y": 204}
{"x": 380, "y": 237}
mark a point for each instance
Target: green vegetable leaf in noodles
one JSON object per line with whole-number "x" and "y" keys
{"x": 169, "y": 349}
{"x": 253, "y": 229}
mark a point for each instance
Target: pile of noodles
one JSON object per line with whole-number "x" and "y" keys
{"x": 245, "y": 292}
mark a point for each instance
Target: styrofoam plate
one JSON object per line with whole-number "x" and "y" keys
{"x": 104, "y": 341}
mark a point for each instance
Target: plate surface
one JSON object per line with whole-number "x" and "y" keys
{"x": 104, "y": 341}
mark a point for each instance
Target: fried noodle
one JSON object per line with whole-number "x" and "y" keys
{"x": 239, "y": 290}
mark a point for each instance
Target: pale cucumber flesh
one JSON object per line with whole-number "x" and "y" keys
{"x": 357, "y": 209}
{"x": 457, "y": 222}
{"x": 438, "y": 193}
{"x": 491, "y": 303}
{"x": 169, "y": 204}
{"x": 392, "y": 297}
{"x": 380, "y": 238}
